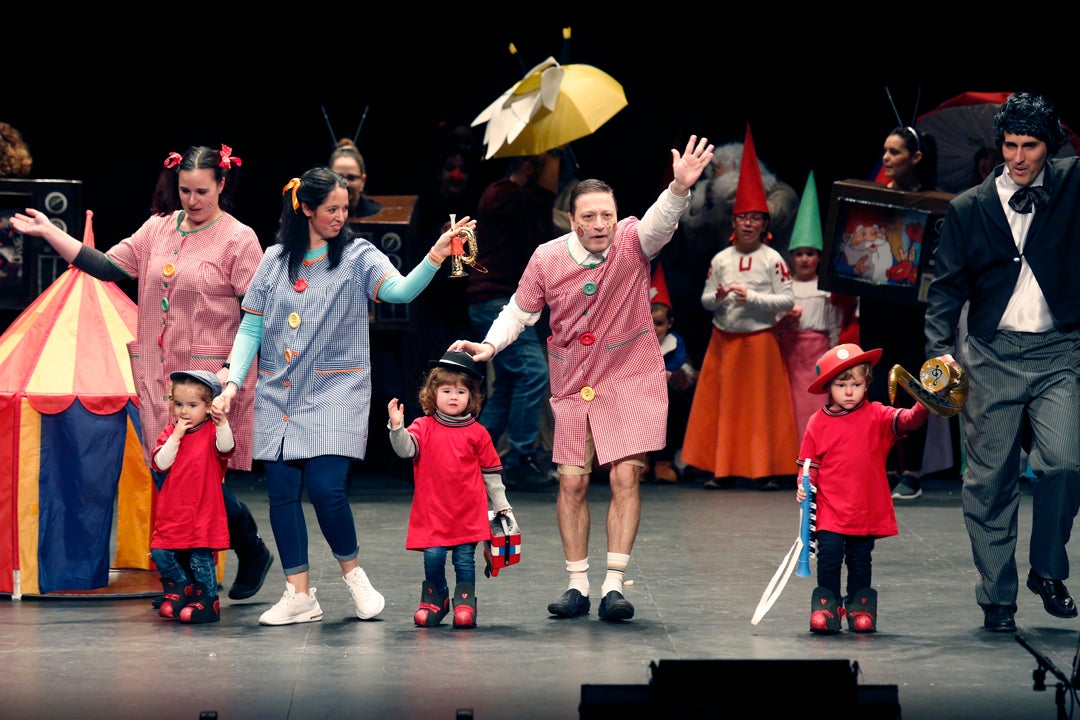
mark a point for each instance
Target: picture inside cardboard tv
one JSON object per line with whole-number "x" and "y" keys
{"x": 880, "y": 243}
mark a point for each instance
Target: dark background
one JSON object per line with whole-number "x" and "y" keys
{"x": 103, "y": 95}
{"x": 105, "y": 106}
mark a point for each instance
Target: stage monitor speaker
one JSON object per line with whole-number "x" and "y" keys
{"x": 388, "y": 230}
{"x": 674, "y": 679}
{"x": 726, "y": 688}
{"x": 29, "y": 265}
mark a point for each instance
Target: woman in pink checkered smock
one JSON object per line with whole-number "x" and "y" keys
{"x": 608, "y": 384}
{"x": 194, "y": 261}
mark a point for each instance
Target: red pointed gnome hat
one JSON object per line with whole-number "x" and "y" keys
{"x": 750, "y": 197}
{"x": 658, "y": 292}
{"x": 859, "y": 215}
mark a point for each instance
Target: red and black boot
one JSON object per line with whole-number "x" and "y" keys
{"x": 175, "y": 596}
{"x": 465, "y": 605}
{"x": 434, "y": 606}
{"x": 201, "y": 608}
{"x": 825, "y": 612}
{"x": 862, "y": 611}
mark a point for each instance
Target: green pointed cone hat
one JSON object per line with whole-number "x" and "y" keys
{"x": 807, "y": 230}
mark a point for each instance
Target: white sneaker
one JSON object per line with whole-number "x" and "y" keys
{"x": 369, "y": 601}
{"x": 293, "y": 607}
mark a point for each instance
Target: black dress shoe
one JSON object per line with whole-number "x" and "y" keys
{"x": 998, "y": 618}
{"x": 614, "y": 607}
{"x": 1055, "y": 596}
{"x": 570, "y": 604}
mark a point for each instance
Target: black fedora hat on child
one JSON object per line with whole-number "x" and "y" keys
{"x": 457, "y": 360}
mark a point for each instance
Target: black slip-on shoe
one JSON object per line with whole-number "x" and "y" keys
{"x": 614, "y": 607}
{"x": 570, "y": 604}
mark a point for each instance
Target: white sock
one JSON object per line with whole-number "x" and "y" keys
{"x": 616, "y": 569}
{"x": 579, "y": 575}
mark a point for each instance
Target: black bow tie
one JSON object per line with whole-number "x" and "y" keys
{"x": 1027, "y": 196}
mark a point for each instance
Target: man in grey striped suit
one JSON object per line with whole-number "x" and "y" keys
{"x": 1010, "y": 247}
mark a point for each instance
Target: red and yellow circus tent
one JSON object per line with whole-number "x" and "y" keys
{"x": 70, "y": 456}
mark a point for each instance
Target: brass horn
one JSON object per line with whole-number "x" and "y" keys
{"x": 463, "y": 252}
{"x": 941, "y": 388}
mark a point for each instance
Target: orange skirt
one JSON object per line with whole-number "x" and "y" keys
{"x": 741, "y": 422}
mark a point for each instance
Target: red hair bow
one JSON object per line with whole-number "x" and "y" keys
{"x": 173, "y": 160}
{"x": 227, "y": 158}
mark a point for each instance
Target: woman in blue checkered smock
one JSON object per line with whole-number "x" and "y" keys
{"x": 306, "y": 314}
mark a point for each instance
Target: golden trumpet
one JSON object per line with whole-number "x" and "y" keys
{"x": 463, "y": 252}
{"x": 940, "y": 387}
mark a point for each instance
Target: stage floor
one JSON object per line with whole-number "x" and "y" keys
{"x": 702, "y": 560}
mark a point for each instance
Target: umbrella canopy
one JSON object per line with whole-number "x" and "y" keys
{"x": 962, "y": 126}
{"x": 553, "y": 105}
{"x": 70, "y": 449}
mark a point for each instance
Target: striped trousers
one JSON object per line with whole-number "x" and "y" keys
{"x": 1016, "y": 376}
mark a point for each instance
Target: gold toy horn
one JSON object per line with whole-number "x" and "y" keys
{"x": 940, "y": 387}
{"x": 459, "y": 257}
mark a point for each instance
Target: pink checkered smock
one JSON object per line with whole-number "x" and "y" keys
{"x": 190, "y": 286}
{"x": 606, "y": 368}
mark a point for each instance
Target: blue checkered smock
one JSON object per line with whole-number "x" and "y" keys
{"x": 314, "y": 388}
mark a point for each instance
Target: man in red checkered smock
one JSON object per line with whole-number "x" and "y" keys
{"x": 608, "y": 385}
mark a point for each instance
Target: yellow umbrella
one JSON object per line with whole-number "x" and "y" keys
{"x": 553, "y": 105}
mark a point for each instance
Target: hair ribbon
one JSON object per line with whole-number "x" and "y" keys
{"x": 293, "y": 185}
{"x": 173, "y": 160}
{"x": 227, "y": 158}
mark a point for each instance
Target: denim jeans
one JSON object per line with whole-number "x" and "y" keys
{"x": 464, "y": 557}
{"x": 203, "y": 567}
{"x": 326, "y": 480}
{"x": 520, "y": 389}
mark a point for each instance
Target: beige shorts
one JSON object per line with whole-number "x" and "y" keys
{"x": 590, "y": 458}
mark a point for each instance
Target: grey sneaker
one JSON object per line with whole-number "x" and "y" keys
{"x": 369, "y": 601}
{"x": 905, "y": 491}
{"x": 293, "y": 607}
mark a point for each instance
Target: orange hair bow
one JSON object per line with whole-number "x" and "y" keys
{"x": 293, "y": 185}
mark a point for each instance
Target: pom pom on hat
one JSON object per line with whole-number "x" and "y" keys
{"x": 750, "y": 196}
{"x": 807, "y": 230}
